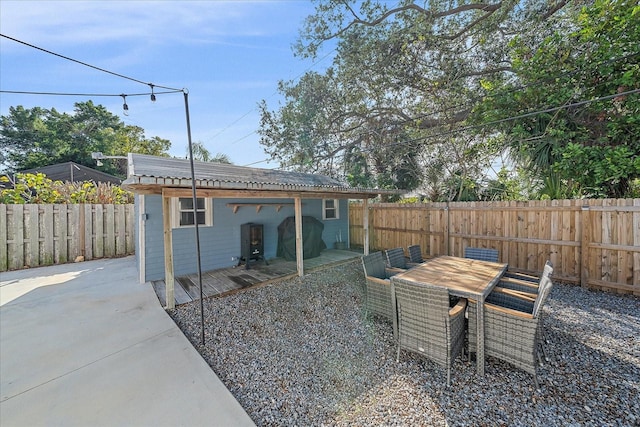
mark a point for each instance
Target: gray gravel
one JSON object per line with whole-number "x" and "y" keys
{"x": 302, "y": 352}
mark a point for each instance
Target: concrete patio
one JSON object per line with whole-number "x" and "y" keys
{"x": 86, "y": 344}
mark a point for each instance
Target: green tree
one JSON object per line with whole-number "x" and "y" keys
{"x": 590, "y": 148}
{"x": 30, "y": 138}
{"x": 201, "y": 153}
{"x": 403, "y": 83}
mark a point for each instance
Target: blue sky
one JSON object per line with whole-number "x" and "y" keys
{"x": 228, "y": 54}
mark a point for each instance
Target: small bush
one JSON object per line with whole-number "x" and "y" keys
{"x": 38, "y": 189}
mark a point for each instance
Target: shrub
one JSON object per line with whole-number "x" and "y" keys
{"x": 38, "y": 189}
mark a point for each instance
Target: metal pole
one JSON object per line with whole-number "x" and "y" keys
{"x": 195, "y": 210}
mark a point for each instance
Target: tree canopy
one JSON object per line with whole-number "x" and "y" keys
{"x": 428, "y": 96}
{"x": 591, "y": 143}
{"x": 35, "y": 137}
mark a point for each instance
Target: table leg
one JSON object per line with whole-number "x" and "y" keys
{"x": 480, "y": 337}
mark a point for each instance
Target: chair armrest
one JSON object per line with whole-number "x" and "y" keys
{"x": 517, "y": 281}
{"x": 458, "y": 308}
{"x": 508, "y": 311}
{"x": 514, "y": 293}
{"x": 394, "y": 270}
{"x": 378, "y": 280}
{"x": 522, "y": 276}
{"x": 518, "y": 285}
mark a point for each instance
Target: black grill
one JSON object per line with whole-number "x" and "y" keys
{"x": 252, "y": 243}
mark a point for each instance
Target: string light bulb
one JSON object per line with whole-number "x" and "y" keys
{"x": 125, "y": 107}
{"x": 153, "y": 95}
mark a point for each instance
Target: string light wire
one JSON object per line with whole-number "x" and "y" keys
{"x": 84, "y": 63}
{"x": 96, "y": 95}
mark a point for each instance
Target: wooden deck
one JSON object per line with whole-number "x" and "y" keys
{"x": 229, "y": 280}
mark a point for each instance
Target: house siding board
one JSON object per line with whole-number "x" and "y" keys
{"x": 154, "y": 238}
{"x": 136, "y": 238}
{"x": 221, "y": 241}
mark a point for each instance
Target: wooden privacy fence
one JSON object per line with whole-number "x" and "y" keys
{"x": 595, "y": 243}
{"x": 36, "y": 235}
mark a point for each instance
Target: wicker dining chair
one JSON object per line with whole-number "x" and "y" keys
{"x": 510, "y": 334}
{"x": 426, "y": 324}
{"x": 520, "y": 296}
{"x": 415, "y": 255}
{"x": 524, "y": 282}
{"x": 396, "y": 259}
{"x": 481, "y": 254}
{"x": 512, "y": 299}
{"x": 378, "y": 286}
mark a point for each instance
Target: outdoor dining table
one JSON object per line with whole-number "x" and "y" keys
{"x": 463, "y": 277}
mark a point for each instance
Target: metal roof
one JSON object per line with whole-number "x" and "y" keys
{"x": 152, "y": 173}
{"x": 74, "y": 172}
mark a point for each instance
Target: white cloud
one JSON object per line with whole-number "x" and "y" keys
{"x": 60, "y": 23}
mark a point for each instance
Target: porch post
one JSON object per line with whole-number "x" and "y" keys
{"x": 169, "y": 278}
{"x": 299, "y": 242}
{"x": 365, "y": 224}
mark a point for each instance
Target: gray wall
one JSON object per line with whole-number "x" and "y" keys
{"x": 220, "y": 242}
{"x": 153, "y": 238}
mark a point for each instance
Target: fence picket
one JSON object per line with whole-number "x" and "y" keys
{"x": 76, "y": 234}
{"x": 31, "y": 234}
{"x": 16, "y": 242}
{"x": 98, "y": 231}
{"x": 61, "y": 236}
{"x": 88, "y": 233}
{"x": 119, "y": 229}
{"x": 47, "y": 233}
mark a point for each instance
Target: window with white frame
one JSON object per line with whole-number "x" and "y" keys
{"x": 330, "y": 209}
{"x": 184, "y": 214}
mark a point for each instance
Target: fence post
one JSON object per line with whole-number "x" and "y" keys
{"x": 585, "y": 238}
{"x": 446, "y": 229}
{"x": 365, "y": 225}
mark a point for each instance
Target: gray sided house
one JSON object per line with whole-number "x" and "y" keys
{"x": 228, "y": 196}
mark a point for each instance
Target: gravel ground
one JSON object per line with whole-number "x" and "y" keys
{"x": 302, "y": 352}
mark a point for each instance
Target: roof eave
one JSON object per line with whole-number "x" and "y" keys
{"x": 146, "y": 184}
